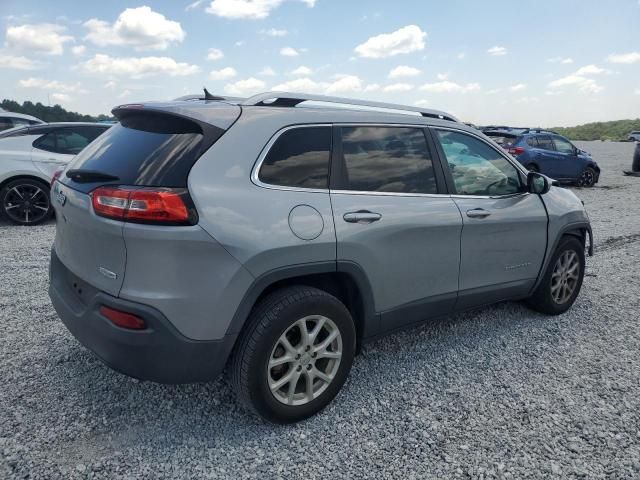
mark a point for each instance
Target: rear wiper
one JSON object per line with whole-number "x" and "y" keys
{"x": 88, "y": 176}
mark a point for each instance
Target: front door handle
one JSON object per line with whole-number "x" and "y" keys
{"x": 361, "y": 216}
{"x": 478, "y": 213}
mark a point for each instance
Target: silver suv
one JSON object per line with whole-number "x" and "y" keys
{"x": 276, "y": 234}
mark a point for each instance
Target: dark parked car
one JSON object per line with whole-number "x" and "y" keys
{"x": 549, "y": 153}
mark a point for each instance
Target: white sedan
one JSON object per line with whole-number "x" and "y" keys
{"x": 29, "y": 156}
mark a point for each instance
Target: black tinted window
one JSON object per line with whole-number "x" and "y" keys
{"x": 544, "y": 142}
{"x": 299, "y": 158}
{"x": 145, "y": 149}
{"x": 387, "y": 159}
{"x": 5, "y": 124}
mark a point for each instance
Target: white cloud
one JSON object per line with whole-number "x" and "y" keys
{"x": 215, "y": 54}
{"x": 636, "y": 91}
{"x": 493, "y": 91}
{"x": 45, "y": 84}
{"x": 564, "y": 60}
{"x": 245, "y": 87}
{"x": 141, "y": 28}
{"x": 631, "y": 57}
{"x": 251, "y": 9}
{"x": 194, "y": 5}
{"x": 17, "y": 63}
{"x": 404, "y": 71}
{"x": 404, "y": 40}
{"x": 124, "y": 94}
{"x": 590, "y": 70}
{"x": 372, "y": 87}
{"x": 584, "y": 84}
{"x": 44, "y": 38}
{"x": 447, "y": 86}
{"x": 78, "y": 50}
{"x": 345, "y": 83}
{"x": 305, "y": 85}
{"x": 460, "y": 56}
{"x": 137, "y": 67}
{"x": 398, "y": 87}
{"x": 110, "y": 84}
{"x": 527, "y": 100}
{"x": 302, "y": 71}
{"x": 497, "y": 51}
{"x": 239, "y": 43}
{"x": 289, "y": 52}
{"x": 267, "y": 72}
{"x": 422, "y": 103}
{"x": 223, "y": 74}
{"x": 274, "y": 32}
{"x": 442, "y": 76}
{"x": 60, "y": 97}
{"x": 518, "y": 87}
{"x": 247, "y": 9}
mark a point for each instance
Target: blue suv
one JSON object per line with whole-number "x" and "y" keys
{"x": 547, "y": 152}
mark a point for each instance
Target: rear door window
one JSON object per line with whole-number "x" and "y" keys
{"x": 387, "y": 159}
{"x": 532, "y": 142}
{"x": 299, "y": 158}
{"x": 545, "y": 142}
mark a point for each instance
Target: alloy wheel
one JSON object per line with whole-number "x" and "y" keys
{"x": 565, "y": 277}
{"x": 304, "y": 360}
{"x": 26, "y": 203}
{"x": 587, "y": 178}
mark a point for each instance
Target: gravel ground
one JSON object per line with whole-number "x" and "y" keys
{"x": 498, "y": 393}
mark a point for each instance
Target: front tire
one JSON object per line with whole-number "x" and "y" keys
{"x": 26, "y": 202}
{"x": 587, "y": 178}
{"x": 295, "y": 355}
{"x": 562, "y": 280}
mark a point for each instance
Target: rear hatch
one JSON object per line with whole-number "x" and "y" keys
{"x": 151, "y": 150}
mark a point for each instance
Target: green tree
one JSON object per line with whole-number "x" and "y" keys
{"x": 49, "y": 114}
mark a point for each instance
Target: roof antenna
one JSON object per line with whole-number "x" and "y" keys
{"x": 208, "y": 96}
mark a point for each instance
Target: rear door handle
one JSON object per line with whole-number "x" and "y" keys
{"x": 361, "y": 216}
{"x": 478, "y": 213}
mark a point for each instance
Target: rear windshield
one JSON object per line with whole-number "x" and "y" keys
{"x": 145, "y": 149}
{"x": 502, "y": 139}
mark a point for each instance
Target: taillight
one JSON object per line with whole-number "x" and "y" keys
{"x": 167, "y": 206}
{"x": 515, "y": 151}
{"x": 56, "y": 175}
{"x": 123, "y": 319}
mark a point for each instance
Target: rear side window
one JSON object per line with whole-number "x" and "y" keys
{"x": 145, "y": 149}
{"x": 545, "y": 143}
{"x": 299, "y": 158}
{"x": 532, "y": 142}
{"x": 5, "y": 124}
{"x": 387, "y": 159}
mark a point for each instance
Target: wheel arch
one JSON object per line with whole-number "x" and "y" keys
{"x": 344, "y": 280}
{"x": 23, "y": 176}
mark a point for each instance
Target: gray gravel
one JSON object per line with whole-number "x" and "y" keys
{"x": 498, "y": 393}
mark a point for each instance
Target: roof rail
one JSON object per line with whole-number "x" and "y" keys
{"x": 287, "y": 99}
{"x": 201, "y": 96}
{"x": 539, "y": 130}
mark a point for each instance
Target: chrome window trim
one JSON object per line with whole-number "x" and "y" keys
{"x": 265, "y": 151}
{"x": 511, "y": 160}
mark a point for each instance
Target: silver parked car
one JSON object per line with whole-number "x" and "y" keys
{"x": 276, "y": 234}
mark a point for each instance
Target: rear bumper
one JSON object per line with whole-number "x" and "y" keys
{"x": 159, "y": 353}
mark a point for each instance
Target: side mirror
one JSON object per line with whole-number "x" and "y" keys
{"x": 537, "y": 183}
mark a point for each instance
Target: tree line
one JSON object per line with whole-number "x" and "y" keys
{"x": 49, "y": 114}
{"x": 614, "y": 131}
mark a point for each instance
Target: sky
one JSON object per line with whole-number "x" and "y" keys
{"x": 526, "y": 63}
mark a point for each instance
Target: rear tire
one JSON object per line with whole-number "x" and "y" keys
{"x": 587, "y": 178}
{"x": 562, "y": 280}
{"x": 282, "y": 373}
{"x": 26, "y": 202}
